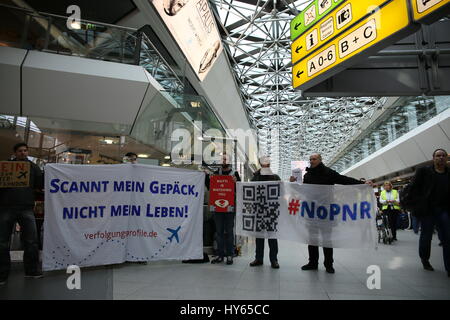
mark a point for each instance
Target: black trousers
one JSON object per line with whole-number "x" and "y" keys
{"x": 273, "y": 249}
{"x": 392, "y": 215}
{"x": 314, "y": 256}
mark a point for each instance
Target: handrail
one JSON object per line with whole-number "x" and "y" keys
{"x": 67, "y": 17}
{"x": 161, "y": 56}
{"x": 138, "y": 34}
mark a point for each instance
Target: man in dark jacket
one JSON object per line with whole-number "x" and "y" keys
{"x": 318, "y": 173}
{"x": 16, "y": 205}
{"x": 265, "y": 174}
{"x": 431, "y": 188}
{"x": 224, "y": 221}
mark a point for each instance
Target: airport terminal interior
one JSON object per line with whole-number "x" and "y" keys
{"x": 363, "y": 84}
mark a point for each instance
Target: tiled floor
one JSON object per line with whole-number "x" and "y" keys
{"x": 402, "y": 276}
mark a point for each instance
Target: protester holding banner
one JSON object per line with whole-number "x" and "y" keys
{"x": 16, "y": 205}
{"x": 222, "y": 186}
{"x": 318, "y": 173}
{"x": 390, "y": 204}
{"x": 130, "y": 157}
{"x": 265, "y": 174}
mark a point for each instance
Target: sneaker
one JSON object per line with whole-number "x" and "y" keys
{"x": 255, "y": 263}
{"x": 229, "y": 260}
{"x": 309, "y": 267}
{"x": 217, "y": 260}
{"x": 34, "y": 275}
{"x": 275, "y": 265}
{"x": 330, "y": 269}
{"x": 427, "y": 265}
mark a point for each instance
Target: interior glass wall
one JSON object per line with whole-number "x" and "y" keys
{"x": 404, "y": 116}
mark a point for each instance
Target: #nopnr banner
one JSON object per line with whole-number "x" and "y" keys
{"x": 320, "y": 215}
{"x": 106, "y": 214}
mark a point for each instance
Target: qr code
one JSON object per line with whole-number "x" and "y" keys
{"x": 261, "y": 207}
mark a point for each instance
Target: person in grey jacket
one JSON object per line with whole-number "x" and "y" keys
{"x": 16, "y": 205}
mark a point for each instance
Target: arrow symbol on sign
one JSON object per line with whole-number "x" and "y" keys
{"x": 297, "y": 25}
{"x": 299, "y": 73}
{"x": 298, "y": 49}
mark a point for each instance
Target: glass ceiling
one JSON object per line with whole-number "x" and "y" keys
{"x": 256, "y": 36}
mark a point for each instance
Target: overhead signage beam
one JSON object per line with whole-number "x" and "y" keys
{"x": 428, "y": 11}
{"x": 381, "y": 28}
{"x": 333, "y": 25}
{"x": 312, "y": 14}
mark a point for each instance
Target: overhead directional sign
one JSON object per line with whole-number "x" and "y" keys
{"x": 311, "y": 15}
{"x": 426, "y": 9}
{"x": 380, "y": 28}
{"x": 335, "y": 23}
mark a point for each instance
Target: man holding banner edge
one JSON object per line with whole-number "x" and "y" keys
{"x": 16, "y": 204}
{"x": 318, "y": 173}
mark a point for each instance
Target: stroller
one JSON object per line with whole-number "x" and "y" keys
{"x": 383, "y": 228}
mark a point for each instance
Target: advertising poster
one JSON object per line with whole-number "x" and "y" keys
{"x": 191, "y": 22}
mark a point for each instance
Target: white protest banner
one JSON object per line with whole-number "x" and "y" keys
{"x": 106, "y": 214}
{"x": 320, "y": 215}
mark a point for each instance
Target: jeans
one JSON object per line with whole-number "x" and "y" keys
{"x": 25, "y": 217}
{"x": 441, "y": 219}
{"x": 273, "y": 249}
{"x": 224, "y": 228}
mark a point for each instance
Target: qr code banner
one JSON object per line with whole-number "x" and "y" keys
{"x": 260, "y": 207}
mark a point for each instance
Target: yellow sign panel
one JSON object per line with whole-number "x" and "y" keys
{"x": 422, "y": 8}
{"x": 14, "y": 174}
{"x": 379, "y": 26}
{"x": 333, "y": 25}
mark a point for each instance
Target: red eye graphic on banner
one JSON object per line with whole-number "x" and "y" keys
{"x": 221, "y": 194}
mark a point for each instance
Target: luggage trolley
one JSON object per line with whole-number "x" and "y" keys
{"x": 383, "y": 228}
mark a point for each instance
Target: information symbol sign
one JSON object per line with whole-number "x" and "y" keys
{"x": 312, "y": 39}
